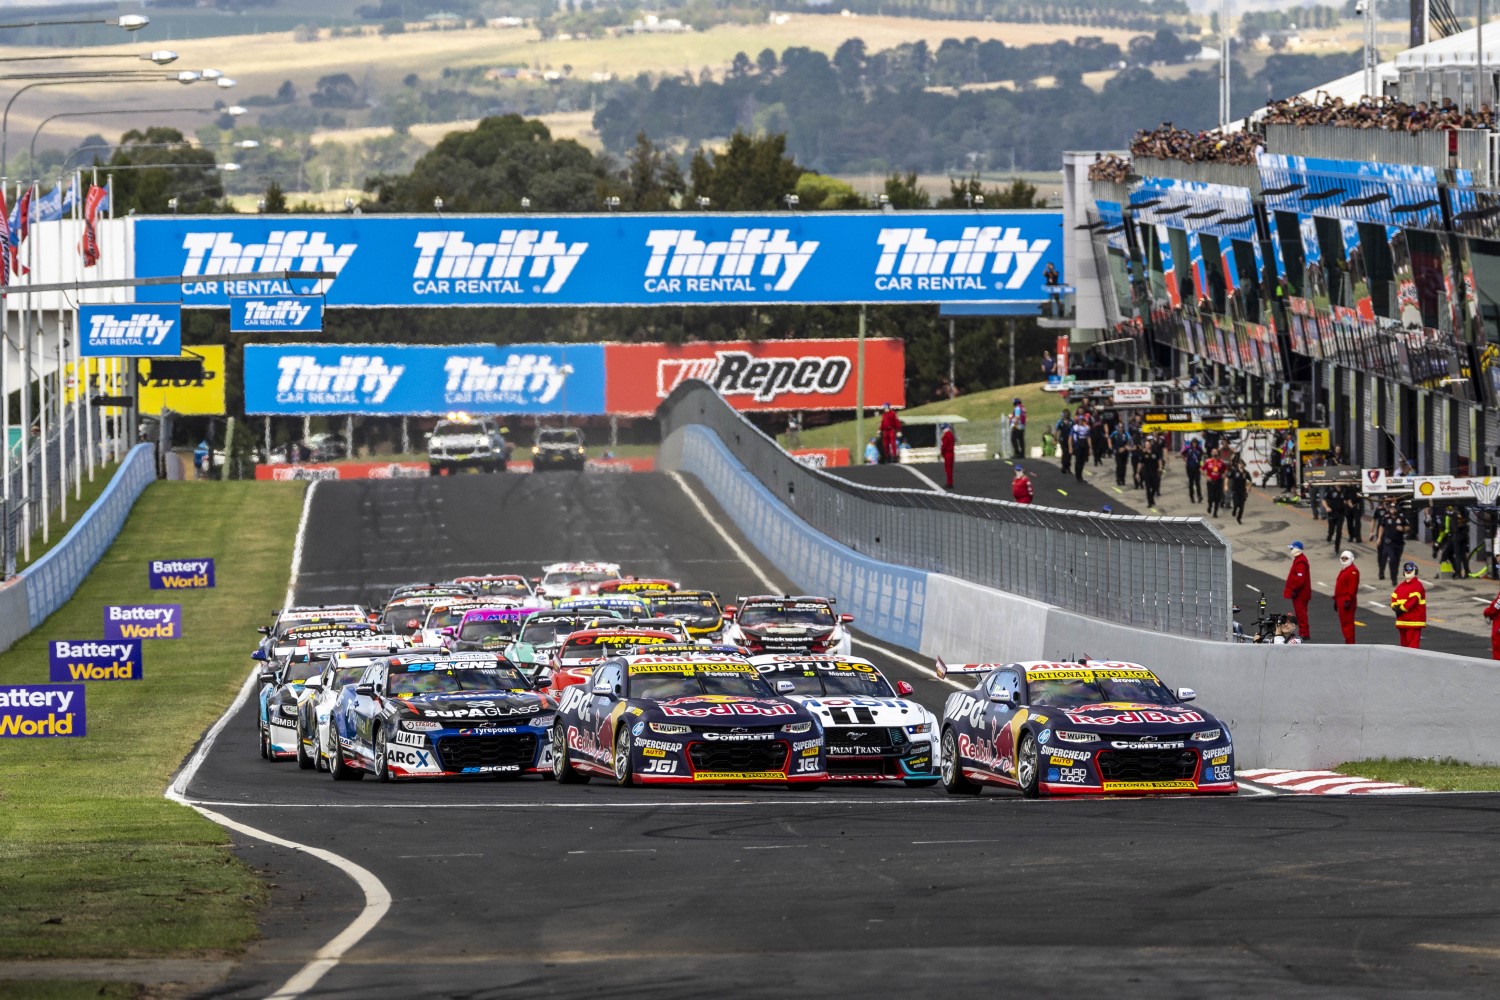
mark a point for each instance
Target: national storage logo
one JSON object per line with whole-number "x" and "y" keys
{"x": 34, "y": 710}
{"x": 357, "y": 379}
{"x": 513, "y": 263}
{"x": 216, "y": 253}
{"x": 981, "y": 259}
{"x": 751, "y": 260}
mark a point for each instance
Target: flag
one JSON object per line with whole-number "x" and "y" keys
{"x": 49, "y": 206}
{"x": 5, "y": 250}
{"x": 20, "y": 229}
{"x": 70, "y": 198}
{"x": 90, "y": 245}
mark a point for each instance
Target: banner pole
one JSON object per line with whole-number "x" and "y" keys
{"x": 859, "y": 392}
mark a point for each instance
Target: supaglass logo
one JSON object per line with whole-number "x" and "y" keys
{"x": 910, "y": 259}
{"x": 210, "y": 254}
{"x": 523, "y": 378}
{"x": 360, "y": 379}
{"x": 681, "y": 262}
{"x": 448, "y": 263}
{"x": 141, "y": 329}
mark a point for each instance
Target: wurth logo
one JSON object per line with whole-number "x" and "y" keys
{"x": 681, "y": 262}
{"x": 359, "y": 379}
{"x": 523, "y": 379}
{"x": 740, "y": 373}
{"x": 285, "y": 314}
{"x": 909, "y": 259}
{"x": 211, "y": 254}
{"x": 447, "y": 262}
{"x": 144, "y": 329}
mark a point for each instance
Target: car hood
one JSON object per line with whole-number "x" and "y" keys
{"x": 882, "y": 711}
{"x": 722, "y": 708}
{"x": 474, "y": 705}
{"x": 1128, "y": 717}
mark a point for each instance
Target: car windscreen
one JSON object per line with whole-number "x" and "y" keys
{"x": 856, "y": 682}
{"x": 502, "y": 587}
{"x": 300, "y": 669}
{"x": 572, "y": 576}
{"x": 548, "y": 630}
{"x": 489, "y": 628}
{"x": 696, "y": 610}
{"x": 441, "y": 681}
{"x": 396, "y": 619}
{"x": 673, "y": 684}
{"x": 1073, "y": 688}
{"x": 558, "y": 437}
{"x": 344, "y": 676}
{"x": 586, "y": 647}
{"x": 457, "y": 430}
{"x": 328, "y": 621}
{"x": 786, "y": 614}
{"x": 443, "y": 617}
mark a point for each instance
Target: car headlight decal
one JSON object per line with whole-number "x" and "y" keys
{"x": 920, "y": 728}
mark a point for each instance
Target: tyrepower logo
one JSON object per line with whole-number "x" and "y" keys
{"x": 448, "y": 263}
{"x": 739, "y": 373}
{"x": 984, "y": 257}
{"x": 751, "y": 260}
{"x": 359, "y": 379}
{"x": 210, "y": 254}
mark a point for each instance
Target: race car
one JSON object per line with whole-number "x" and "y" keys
{"x": 541, "y": 632}
{"x": 319, "y": 692}
{"x": 489, "y": 630}
{"x": 569, "y": 579}
{"x": 329, "y": 635}
{"x": 1091, "y": 728}
{"x": 626, "y": 604}
{"x": 698, "y": 610}
{"x": 574, "y": 659}
{"x": 874, "y": 732}
{"x": 405, "y": 615}
{"x": 468, "y": 715}
{"x": 558, "y": 448}
{"x": 497, "y": 585}
{"x": 278, "y": 695}
{"x": 452, "y": 590}
{"x": 684, "y": 715}
{"x": 442, "y": 619}
{"x": 771, "y": 624}
{"x": 295, "y": 617}
{"x": 642, "y": 586}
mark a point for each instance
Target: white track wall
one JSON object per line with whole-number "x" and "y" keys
{"x": 1288, "y": 706}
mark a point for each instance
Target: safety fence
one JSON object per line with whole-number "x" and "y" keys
{"x": 1168, "y": 575}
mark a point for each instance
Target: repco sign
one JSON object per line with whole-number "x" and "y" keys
{"x": 767, "y": 375}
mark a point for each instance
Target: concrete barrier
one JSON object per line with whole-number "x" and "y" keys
{"x": 1307, "y": 706}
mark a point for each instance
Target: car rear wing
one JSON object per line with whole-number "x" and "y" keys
{"x": 944, "y": 669}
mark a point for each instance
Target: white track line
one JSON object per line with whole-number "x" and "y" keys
{"x": 377, "y": 897}
{"x": 771, "y": 586}
{"x": 925, "y": 478}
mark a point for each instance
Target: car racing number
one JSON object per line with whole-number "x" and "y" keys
{"x": 856, "y": 715}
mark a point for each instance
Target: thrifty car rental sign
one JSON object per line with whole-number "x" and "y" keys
{"x": 606, "y": 260}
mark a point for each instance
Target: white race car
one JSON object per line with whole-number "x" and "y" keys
{"x": 767, "y": 624}
{"x": 873, "y": 730}
{"x": 569, "y": 579}
{"x": 321, "y": 691}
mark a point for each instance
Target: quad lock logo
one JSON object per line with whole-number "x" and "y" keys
{"x": 211, "y": 254}
{"x": 910, "y": 259}
{"x": 448, "y": 263}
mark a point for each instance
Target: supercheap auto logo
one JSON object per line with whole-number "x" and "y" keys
{"x": 983, "y": 257}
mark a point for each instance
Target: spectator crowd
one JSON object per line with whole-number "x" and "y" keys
{"x": 1109, "y": 168}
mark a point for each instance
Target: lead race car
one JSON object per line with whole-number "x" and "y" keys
{"x": 468, "y": 715}
{"x": 805, "y": 624}
{"x": 1090, "y": 728}
{"x": 874, "y": 732}
{"x": 685, "y": 715}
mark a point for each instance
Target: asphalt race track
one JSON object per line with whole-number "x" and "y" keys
{"x": 526, "y": 888}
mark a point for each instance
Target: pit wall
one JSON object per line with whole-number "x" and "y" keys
{"x": 1295, "y": 707}
{"x": 47, "y": 584}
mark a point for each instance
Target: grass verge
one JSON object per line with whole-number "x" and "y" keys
{"x": 94, "y": 863}
{"x": 1441, "y": 775}
{"x": 53, "y": 989}
{"x": 76, "y": 509}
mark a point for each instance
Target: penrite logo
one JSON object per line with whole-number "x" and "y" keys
{"x": 682, "y": 262}
{"x": 142, "y": 329}
{"x": 361, "y": 379}
{"x": 524, "y": 379}
{"x": 448, "y": 262}
{"x": 740, "y": 373}
{"x": 910, "y": 255}
{"x": 212, "y": 254}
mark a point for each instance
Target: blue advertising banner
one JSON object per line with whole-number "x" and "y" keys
{"x": 131, "y": 331}
{"x": 276, "y": 314}
{"x": 607, "y": 260}
{"x": 415, "y": 380}
{"x": 143, "y": 621}
{"x": 91, "y": 660}
{"x": 28, "y": 710}
{"x": 180, "y": 574}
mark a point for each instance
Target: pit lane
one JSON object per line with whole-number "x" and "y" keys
{"x": 528, "y": 888}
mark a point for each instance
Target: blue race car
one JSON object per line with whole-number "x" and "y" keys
{"x": 466, "y": 715}
{"x": 1091, "y": 728}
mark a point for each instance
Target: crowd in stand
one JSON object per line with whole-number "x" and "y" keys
{"x": 1109, "y": 168}
{"x": 1168, "y": 143}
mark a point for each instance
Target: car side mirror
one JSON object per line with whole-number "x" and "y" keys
{"x": 448, "y": 630}
{"x": 259, "y": 654}
{"x": 367, "y": 690}
{"x": 313, "y": 684}
{"x": 264, "y": 630}
{"x": 785, "y": 687}
{"x": 266, "y": 677}
{"x": 904, "y": 689}
{"x": 730, "y": 612}
{"x": 604, "y": 690}
{"x": 542, "y": 678}
{"x": 1186, "y": 694}
{"x": 846, "y": 618}
{"x": 1002, "y": 697}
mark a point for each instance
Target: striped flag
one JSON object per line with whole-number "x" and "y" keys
{"x": 20, "y": 229}
{"x": 6, "y": 251}
{"x": 90, "y": 244}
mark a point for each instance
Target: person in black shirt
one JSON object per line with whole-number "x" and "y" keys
{"x": 1390, "y": 539}
{"x": 1333, "y": 510}
{"x": 1151, "y": 462}
{"x": 1354, "y": 514}
{"x": 1238, "y": 478}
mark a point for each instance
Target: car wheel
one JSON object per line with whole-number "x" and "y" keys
{"x": 1029, "y": 767}
{"x": 624, "y": 774}
{"x": 265, "y": 743}
{"x": 562, "y": 765}
{"x": 337, "y": 769}
{"x": 304, "y": 759}
{"x": 432, "y": 470}
{"x": 953, "y": 773}
{"x": 381, "y": 770}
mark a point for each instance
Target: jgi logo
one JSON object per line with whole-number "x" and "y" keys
{"x": 682, "y": 262}
{"x": 909, "y": 259}
{"x": 449, "y": 263}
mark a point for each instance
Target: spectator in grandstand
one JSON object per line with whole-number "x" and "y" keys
{"x": 1109, "y": 168}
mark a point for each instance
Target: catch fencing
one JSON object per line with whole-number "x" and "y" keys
{"x": 1169, "y": 575}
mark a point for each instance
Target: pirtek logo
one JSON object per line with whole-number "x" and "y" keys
{"x": 739, "y": 373}
{"x": 286, "y": 314}
{"x": 284, "y": 250}
{"x": 980, "y": 250}
{"x": 450, "y": 255}
{"x": 679, "y": 253}
{"x": 145, "y": 329}
{"x": 357, "y": 378}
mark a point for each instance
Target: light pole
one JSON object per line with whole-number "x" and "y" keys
{"x": 791, "y": 201}
{"x": 130, "y": 22}
{"x": 612, "y": 203}
{"x": 161, "y": 57}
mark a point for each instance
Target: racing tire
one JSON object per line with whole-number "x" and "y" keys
{"x": 624, "y": 773}
{"x": 304, "y": 759}
{"x": 562, "y": 765}
{"x": 953, "y": 777}
{"x": 265, "y": 743}
{"x": 1029, "y": 767}
{"x": 433, "y": 470}
{"x": 382, "y": 770}
{"x": 340, "y": 771}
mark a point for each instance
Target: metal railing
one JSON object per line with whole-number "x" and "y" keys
{"x": 1166, "y": 574}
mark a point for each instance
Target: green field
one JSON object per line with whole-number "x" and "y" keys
{"x": 96, "y": 863}
{"x": 985, "y": 412}
{"x": 1439, "y": 775}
